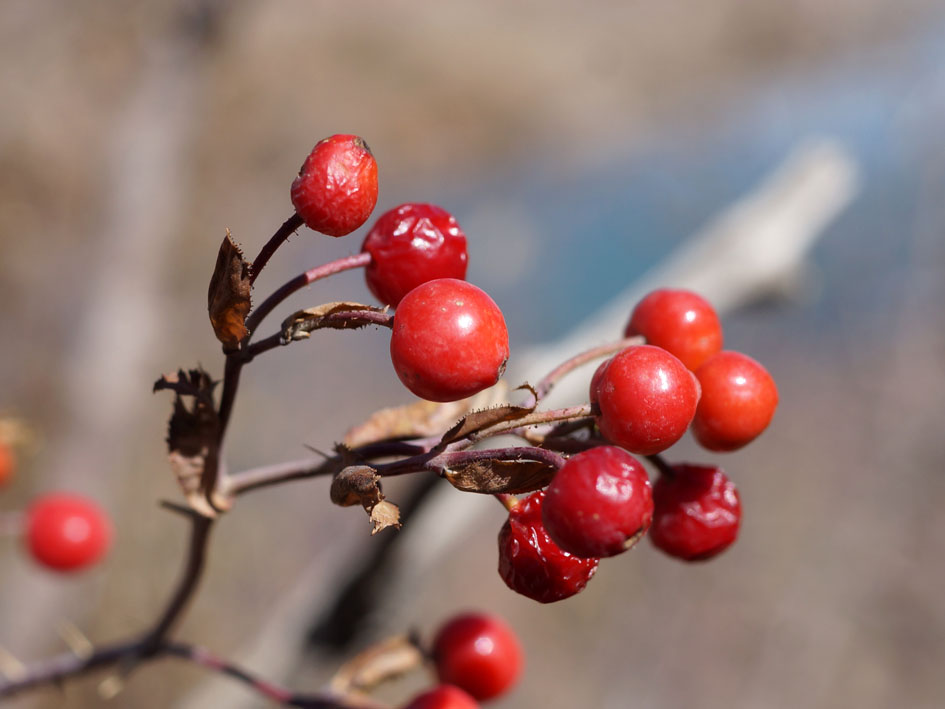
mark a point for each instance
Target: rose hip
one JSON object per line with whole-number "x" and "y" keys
{"x": 479, "y": 654}
{"x": 681, "y": 322}
{"x": 599, "y": 503}
{"x": 696, "y": 513}
{"x": 531, "y": 564}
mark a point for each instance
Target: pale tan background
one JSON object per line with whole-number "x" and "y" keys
{"x": 132, "y": 134}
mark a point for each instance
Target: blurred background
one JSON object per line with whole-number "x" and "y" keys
{"x": 579, "y": 148}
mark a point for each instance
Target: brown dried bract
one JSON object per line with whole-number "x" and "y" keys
{"x": 485, "y": 418}
{"x": 361, "y": 485}
{"x": 228, "y": 299}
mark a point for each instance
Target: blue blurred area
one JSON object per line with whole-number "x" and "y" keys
{"x": 594, "y": 230}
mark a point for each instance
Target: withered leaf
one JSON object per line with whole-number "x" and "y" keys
{"x": 300, "y": 324}
{"x": 494, "y": 476}
{"x": 191, "y": 433}
{"x": 228, "y": 298}
{"x": 361, "y": 485}
{"x": 379, "y": 663}
{"x": 476, "y": 421}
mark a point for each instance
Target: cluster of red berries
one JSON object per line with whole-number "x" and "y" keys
{"x": 61, "y": 531}
{"x": 449, "y": 338}
{"x": 478, "y": 657}
{"x": 600, "y": 502}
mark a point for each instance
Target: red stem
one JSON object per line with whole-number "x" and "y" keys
{"x": 288, "y": 228}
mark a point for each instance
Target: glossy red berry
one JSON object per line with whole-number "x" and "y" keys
{"x": 336, "y": 189}
{"x": 479, "y": 654}
{"x": 599, "y": 503}
{"x": 738, "y": 401}
{"x": 681, "y": 322}
{"x": 696, "y": 512}
{"x": 449, "y": 340}
{"x": 7, "y": 463}
{"x": 445, "y": 696}
{"x": 66, "y": 532}
{"x": 410, "y": 245}
{"x": 530, "y": 563}
{"x": 647, "y": 399}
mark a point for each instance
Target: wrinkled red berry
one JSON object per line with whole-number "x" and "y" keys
{"x": 599, "y": 503}
{"x": 410, "y": 245}
{"x": 647, "y": 399}
{"x": 681, "y": 322}
{"x": 696, "y": 512}
{"x": 66, "y": 532}
{"x": 479, "y": 654}
{"x": 449, "y": 340}
{"x": 446, "y": 696}
{"x": 7, "y": 463}
{"x": 336, "y": 189}
{"x": 738, "y": 401}
{"x": 530, "y": 563}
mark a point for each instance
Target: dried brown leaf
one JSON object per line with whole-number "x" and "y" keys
{"x": 228, "y": 298}
{"x": 497, "y": 476}
{"x": 417, "y": 420}
{"x": 191, "y": 433}
{"x": 300, "y": 324}
{"x": 384, "y": 661}
{"x": 476, "y": 421}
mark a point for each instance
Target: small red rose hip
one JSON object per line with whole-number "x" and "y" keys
{"x": 681, "y": 322}
{"x": 599, "y": 503}
{"x": 66, "y": 532}
{"x": 446, "y": 696}
{"x": 7, "y": 464}
{"x": 336, "y": 189}
{"x": 449, "y": 340}
{"x": 531, "y": 564}
{"x": 647, "y": 399}
{"x": 696, "y": 512}
{"x": 738, "y": 401}
{"x": 410, "y": 245}
{"x": 479, "y": 654}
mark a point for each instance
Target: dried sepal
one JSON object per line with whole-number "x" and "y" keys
{"x": 490, "y": 477}
{"x": 361, "y": 485}
{"x": 192, "y": 434}
{"x": 302, "y": 323}
{"x": 228, "y": 298}
{"x": 482, "y": 419}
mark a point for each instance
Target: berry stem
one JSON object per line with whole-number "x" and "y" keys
{"x": 300, "y": 281}
{"x": 518, "y": 426}
{"x": 545, "y": 385}
{"x": 288, "y": 228}
{"x": 346, "y": 318}
{"x": 664, "y": 468}
{"x": 509, "y": 502}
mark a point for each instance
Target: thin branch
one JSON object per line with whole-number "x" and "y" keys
{"x": 545, "y": 385}
{"x": 299, "y": 282}
{"x": 289, "y": 227}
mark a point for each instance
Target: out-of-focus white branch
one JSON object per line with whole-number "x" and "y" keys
{"x": 751, "y": 250}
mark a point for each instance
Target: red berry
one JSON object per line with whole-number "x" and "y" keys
{"x": 530, "y": 563}
{"x": 599, "y": 503}
{"x": 446, "y": 696}
{"x": 66, "y": 532}
{"x": 478, "y": 653}
{"x": 336, "y": 189}
{"x": 681, "y": 322}
{"x": 647, "y": 399}
{"x": 410, "y": 245}
{"x": 696, "y": 512}
{"x": 449, "y": 340}
{"x": 738, "y": 400}
{"x": 594, "y": 391}
{"x": 7, "y": 463}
